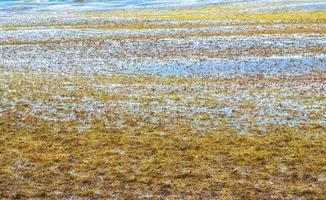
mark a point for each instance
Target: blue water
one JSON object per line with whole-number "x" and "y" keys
{"x": 19, "y": 6}
{"x": 10, "y": 6}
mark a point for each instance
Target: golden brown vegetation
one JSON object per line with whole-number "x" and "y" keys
{"x": 214, "y": 13}
{"x": 66, "y": 134}
{"x": 122, "y": 153}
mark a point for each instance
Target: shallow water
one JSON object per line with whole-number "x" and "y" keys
{"x": 10, "y": 6}
{"x": 271, "y": 66}
{"x": 19, "y": 6}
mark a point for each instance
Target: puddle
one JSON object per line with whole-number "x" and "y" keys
{"x": 266, "y": 66}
